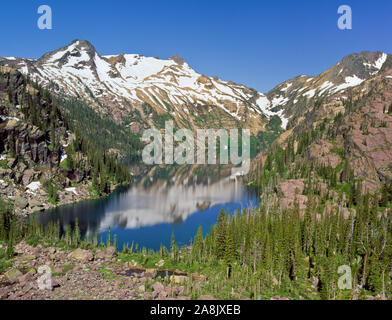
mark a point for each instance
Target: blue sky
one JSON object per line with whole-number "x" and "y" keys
{"x": 253, "y": 42}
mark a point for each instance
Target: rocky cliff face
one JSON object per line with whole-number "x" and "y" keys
{"x": 344, "y": 136}
{"x": 364, "y": 131}
{"x": 17, "y": 135}
{"x": 26, "y": 140}
{"x": 28, "y": 156}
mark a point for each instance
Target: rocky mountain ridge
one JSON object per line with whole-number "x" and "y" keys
{"x": 137, "y": 90}
{"x": 143, "y": 91}
{"x": 293, "y": 97}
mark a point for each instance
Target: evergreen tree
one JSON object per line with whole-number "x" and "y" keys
{"x": 230, "y": 253}
{"x": 197, "y": 247}
{"x": 109, "y": 238}
{"x": 220, "y": 236}
{"x": 76, "y": 237}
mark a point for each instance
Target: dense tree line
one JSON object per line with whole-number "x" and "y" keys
{"x": 352, "y": 229}
{"x": 102, "y": 131}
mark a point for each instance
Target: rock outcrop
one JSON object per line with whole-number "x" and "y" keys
{"x": 33, "y": 136}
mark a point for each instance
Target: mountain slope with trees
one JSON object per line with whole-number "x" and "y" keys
{"x": 45, "y": 157}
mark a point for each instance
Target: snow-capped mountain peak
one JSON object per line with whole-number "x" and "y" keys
{"x": 134, "y": 88}
{"x": 122, "y": 85}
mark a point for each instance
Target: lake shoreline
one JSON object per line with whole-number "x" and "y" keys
{"x": 149, "y": 214}
{"x": 47, "y": 206}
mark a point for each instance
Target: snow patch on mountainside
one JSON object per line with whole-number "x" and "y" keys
{"x": 278, "y": 101}
{"x": 310, "y": 93}
{"x": 378, "y": 64}
{"x": 138, "y": 68}
{"x": 287, "y": 87}
{"x": 326, "y": 86}
{"x": 266, "y": 106}
{"x": 350, "y": 82}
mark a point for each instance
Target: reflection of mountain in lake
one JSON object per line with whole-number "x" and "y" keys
{"x": 162, "y": 203}
{"x": 149, "y": 211}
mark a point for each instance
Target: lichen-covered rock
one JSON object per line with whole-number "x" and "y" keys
{"x": 108, "y": 253}
{"x": 81, "y": 255}
{"x": 21, "y": 202}
{"x": 12, "y": 275}
{"x": 178, "y": 279}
